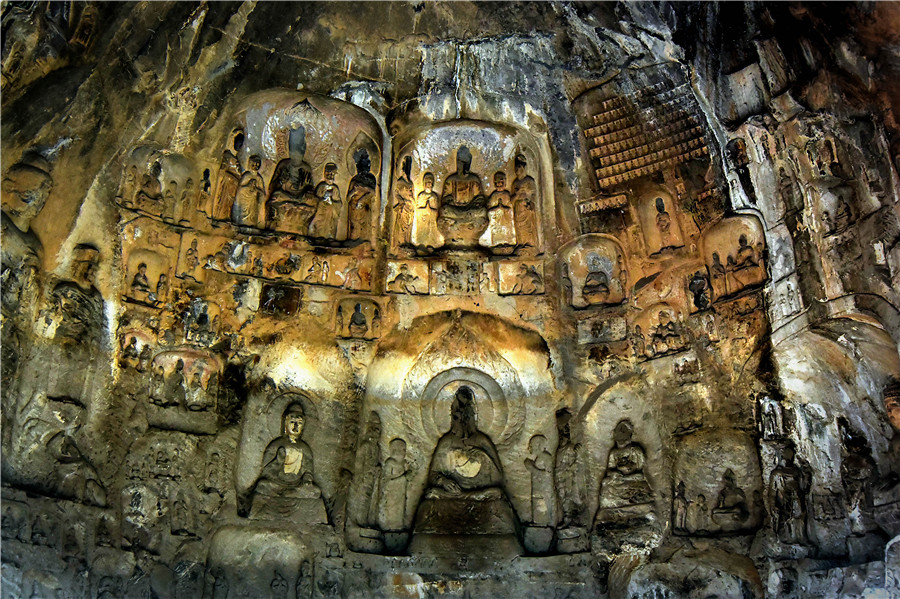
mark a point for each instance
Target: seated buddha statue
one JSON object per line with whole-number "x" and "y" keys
{"x": 462, "y": 216}
{"x": 292, "y": 200}
{"x": 465, "y": 464}
{"x": 287, "y": 474}
{"x": 624, "y": 490}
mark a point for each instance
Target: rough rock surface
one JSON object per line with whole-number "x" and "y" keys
{"x": 450, "y": 299}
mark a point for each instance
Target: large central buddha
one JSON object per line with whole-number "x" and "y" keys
{"x": 465, "y": 464}
{"x": 462, "y": 217}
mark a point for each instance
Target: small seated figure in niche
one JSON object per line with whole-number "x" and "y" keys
{"x": 462, "y": 217}
{"x": 151, "y": 188}
{"x": 328, "y": 212}
{"x": 501, "y": 232}
{"x": 404, "y": 206}
{"x": 465, "y": 464}
{"x": 789, "y": 486}
{"x": 540, "y": 464}
{"x": 745, "y": 268}
{"x": 360, "y": 197}
{"x": 596, "y": 284}
{"x": 140, "y": 283}
{"x": 250, "y": 191}
{"x": 292, "y": 200}
{"x": 425, "y": 231}
{"x": 358, "y": 325}
{"x": 525, "y": 203}
{"x": 624, "y": 489}
{"x": 196, "y": 396}
{"x": 229, "y": 179}
{"x": 732, "y": 503}
{"x": 287, "y": 469}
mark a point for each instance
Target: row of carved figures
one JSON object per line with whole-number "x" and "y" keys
{"x": 462, "y": 215}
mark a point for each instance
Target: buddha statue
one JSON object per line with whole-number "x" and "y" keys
{"x": 287, "y": 475}
{"x": 624, "y": 490}
{"x": 292, "y": 199}
{"x": 462, "y": 217}
{"x": 465, "y": 464}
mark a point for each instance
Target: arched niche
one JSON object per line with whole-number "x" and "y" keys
{"x": 468, "y": 185}
{"x": 596, "y": 269}
{"x": 301, "y": 369}
{"x": 417, "y": 371}
{"x": 732, "y": 250}
{"x": 659, "y": 218}
{"x": 160, "y": 183}
{"x": 296, "y": 138}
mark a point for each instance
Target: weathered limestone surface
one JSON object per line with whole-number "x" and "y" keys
{"x": 450, "y": 299}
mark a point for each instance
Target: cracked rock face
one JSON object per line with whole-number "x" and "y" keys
{"x": 450, "y": 299}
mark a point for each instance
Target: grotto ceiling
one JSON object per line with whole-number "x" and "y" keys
{"x": 450, "y": 299}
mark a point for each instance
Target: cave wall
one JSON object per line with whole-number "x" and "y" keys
{"x": 464, "y": 299}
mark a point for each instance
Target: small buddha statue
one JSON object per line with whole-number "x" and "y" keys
{"x": 140, "y": 283}
{"x": 732, "y": 500}
{"x": 358, "y": 325}
{"x": 151, "y": 188}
